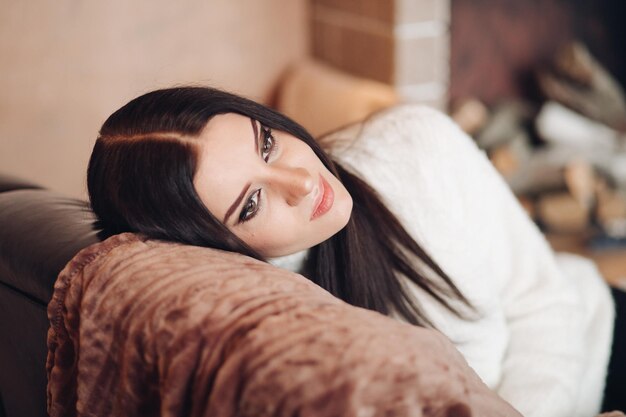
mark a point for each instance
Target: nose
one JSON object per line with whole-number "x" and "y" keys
{"x": 294, "y": 183}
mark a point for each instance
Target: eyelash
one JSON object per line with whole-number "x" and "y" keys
{"x": 267, "y": 134}
{"x": 244, "y": 217}
{"x": 245, "y": 212}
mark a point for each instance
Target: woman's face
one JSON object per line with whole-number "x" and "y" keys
{"x": 268, "y": 187}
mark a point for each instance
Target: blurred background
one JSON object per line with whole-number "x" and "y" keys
{"x": 68, "y": 65}
{"x": 537, "y": 83}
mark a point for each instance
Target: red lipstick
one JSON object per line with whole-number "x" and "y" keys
{"x": 324, "y": 200}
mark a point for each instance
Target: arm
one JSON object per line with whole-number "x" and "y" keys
{"x": 528, "y": 343}
{"x": 542, "y": 366}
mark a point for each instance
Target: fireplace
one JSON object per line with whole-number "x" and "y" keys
{"x": 440, "y": 51}
{"x": 496, "y": 45}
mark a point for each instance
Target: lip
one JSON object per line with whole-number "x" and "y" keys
{"x": 324, "y": 200}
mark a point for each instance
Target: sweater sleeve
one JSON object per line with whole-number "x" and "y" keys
{"x": 529, "y": 338}
{"x": 542, "y": 366}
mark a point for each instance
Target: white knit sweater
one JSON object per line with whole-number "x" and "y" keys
{"x": 544, "y": 334}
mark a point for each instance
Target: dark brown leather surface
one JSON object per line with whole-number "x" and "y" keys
{"x": 10, "y": 182}
{"x": 40, "y": 231}
{"x": 23, "y": 329}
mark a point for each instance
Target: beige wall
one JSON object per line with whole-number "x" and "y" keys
{"x": 66, "y": 65}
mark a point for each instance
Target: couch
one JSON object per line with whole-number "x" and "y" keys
{"x": 40, "y": 231}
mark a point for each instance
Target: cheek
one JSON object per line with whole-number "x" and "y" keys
{"x": 275, "y": 235}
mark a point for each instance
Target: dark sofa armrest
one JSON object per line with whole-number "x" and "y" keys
{"x": 40, "y": 231}
{"x": 10, "y": 183}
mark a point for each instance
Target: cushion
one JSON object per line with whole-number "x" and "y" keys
{"x": 143, "y": 328}
{"x": 322, "y": 98}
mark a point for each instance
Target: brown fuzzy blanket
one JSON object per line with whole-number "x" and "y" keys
{"x": 148, "y": 328}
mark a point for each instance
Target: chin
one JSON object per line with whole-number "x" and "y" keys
{"x": 344, "y": 212}
{"x": 342, "y": 217}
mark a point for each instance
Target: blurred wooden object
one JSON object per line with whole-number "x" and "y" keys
{"x": 611, "y": 263}
{"x": 511, "y": 157}
{"x": 561, "y": 212}
{"x": 573, "y": 135}
{"x": 611, "y": 204}
{"x": 470, "y": 114}
{"x": 581, "y": 180}
{"x": 565, "y": 199}
{"x": 541, "y": 172}
{"x": 578, "y": 81}
{"x": 507, "y": 121}
{"x": 323, "y": 99}
{"x": 559, "y": 125}
{"x": 574, "y": 63}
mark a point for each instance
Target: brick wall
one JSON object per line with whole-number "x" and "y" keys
{"x": 404, "y": 43}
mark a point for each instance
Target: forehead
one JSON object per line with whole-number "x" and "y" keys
{"x": 226, "y": 156}
{"x": 226, "y": 127}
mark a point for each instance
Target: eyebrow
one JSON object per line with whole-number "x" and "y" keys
{"x": 243, "y": 192}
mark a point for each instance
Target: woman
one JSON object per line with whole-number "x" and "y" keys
{"x": 205, "y": 167}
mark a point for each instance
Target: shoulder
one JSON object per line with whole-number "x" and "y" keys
{"x": 407, "y": 128}
{"x": 426, "y": 170}
{"x": 416, "y": 140}
{"x": 430, "y": 174}
{"x": 409, "y": 113}
{"x": 411, "y": 120}
{"x": 419, "y": 125}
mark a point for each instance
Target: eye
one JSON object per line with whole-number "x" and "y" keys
{"x": 269, "y": 144}
{"x": 251, "y": 207}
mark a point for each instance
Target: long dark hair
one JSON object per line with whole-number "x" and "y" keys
{"x": 140, "y": 179}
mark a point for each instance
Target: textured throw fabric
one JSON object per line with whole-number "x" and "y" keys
{"x": 150, "y": 328}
